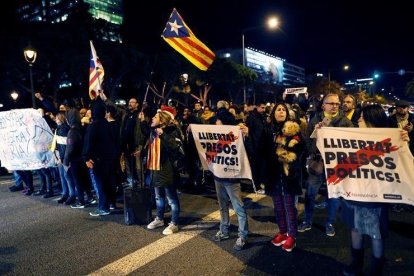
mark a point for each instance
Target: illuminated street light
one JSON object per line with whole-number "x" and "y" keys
{"x": 30, "y": 55}
{"x": 271, "y": 23}
{"x": 345, "y": 68}
{"x": 14, "y": 95}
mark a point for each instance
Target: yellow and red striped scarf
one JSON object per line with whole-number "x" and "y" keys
{"x": 153, "y": 160}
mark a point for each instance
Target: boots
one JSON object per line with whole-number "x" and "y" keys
{"x": 377, "y": 266}
{"x": 357, "y": 263}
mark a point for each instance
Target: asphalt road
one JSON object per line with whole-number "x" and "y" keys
{"x": 40, "y": 237}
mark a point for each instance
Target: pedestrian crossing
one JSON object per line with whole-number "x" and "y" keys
{"x": 143, "y": 256}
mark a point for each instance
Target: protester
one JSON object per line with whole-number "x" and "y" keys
{"x": 99, "y": 155}
{"x": 230, "y": 190}
{"x": 283, "y": 181}
{"x": 162, "y": 146}
{"x": 368, "y": 218}
{"x": 330, "y": 116}
{"x": 350, "y": 110}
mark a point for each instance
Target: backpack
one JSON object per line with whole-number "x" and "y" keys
{"x": 178, "y": 158}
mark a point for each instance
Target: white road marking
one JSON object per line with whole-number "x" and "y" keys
{"x": 11, "y": 181}
{"x": 143, "y": 256}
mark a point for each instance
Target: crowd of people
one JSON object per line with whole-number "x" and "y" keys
{"x": 106, "y": 145}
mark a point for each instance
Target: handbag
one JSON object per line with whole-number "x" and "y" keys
{"x": 315, "y": 166}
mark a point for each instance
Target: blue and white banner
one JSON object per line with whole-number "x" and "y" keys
{"x": 25, "y": 140}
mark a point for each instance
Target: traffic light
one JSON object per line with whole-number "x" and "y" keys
{"x": 376, "y": 76}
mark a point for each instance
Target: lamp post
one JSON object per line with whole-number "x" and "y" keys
{"x": 272, "y": 23}
{"x": 30, "y": 55}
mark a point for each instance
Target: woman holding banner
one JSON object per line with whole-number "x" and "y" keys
{"x": 283, "y": 173}
{"x": 369, "y": 218}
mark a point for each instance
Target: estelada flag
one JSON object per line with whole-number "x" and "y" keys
{"x": 96, "y": 74}
{"x": 182, "y": 39}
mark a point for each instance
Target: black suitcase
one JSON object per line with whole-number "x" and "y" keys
{"x": 137, "y": 205}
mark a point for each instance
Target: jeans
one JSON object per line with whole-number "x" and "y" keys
{"x": 26, "y": 177}
{"x": 45, "y": 179}
{"x": 68, "y": 188}
{"x": 314, "y": 183}
{"x": 18, "y": 180}
{"x": 171, "y": 194}
{"x": 225, "y": 191}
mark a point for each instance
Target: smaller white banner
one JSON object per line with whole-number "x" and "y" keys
{"x": 221, "y": 151}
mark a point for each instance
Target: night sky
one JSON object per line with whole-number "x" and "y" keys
{"x": 318, "y": 35}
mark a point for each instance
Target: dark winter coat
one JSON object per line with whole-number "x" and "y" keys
{"x": 276, "y": 181}
{"x": 165, "y": 177}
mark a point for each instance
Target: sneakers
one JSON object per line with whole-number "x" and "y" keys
{"x": 156, "y": 223}
{"x": 171, "y": 229}
{"x": 279, "y": 239}
{"x": 240, "y": 244}
{"x": 16, "y": 188}
{"x": 330, "y": 230}
{"x": 48, "y": 195}
{"x": 99, "y": 212}
{"x": 91, "y": 201}
{"x": 220, "y": 236}
{"x": 304, "y": 226}
{"x": 62, "y": 199}
{"x": 77, "y": 206}
{"x": 39, "y": 192}
{"x": 28, "y": 192}
{"x": 71, "y": 200}
{"x": 289, "y": 244}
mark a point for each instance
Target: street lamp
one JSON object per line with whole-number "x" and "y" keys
{"x": 14, "y": 95}
{"x": 345, "y": 68}
{"x": 30, "y": 55}
{"x": 271, "y": 23}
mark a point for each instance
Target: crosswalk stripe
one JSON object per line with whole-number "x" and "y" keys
{"x": 143, "y": 256}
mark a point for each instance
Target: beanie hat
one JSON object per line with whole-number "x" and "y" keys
{"x": 169, "y": 110}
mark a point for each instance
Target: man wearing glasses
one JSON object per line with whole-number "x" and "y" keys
{"x": 333, "y": 117}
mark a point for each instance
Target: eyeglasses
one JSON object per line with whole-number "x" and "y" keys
{"x": 333, "y": 104}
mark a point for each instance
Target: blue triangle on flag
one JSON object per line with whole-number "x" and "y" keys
{"x": 175, "y": 27}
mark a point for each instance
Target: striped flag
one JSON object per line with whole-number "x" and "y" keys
{"x": 96, "y": 74}
{"x": 154, "y": 152}
{"x": 182, "y": 39}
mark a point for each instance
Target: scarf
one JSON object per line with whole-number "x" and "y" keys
{"x": 329, "y": 115}
{"x": 350, "y": 114}
{"x": 153, "y": 159}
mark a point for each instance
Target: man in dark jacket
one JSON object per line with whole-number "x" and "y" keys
{"x": 332, "y": 117}
{"x": 99, "y": 154}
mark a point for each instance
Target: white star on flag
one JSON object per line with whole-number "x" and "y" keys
{"x": 175, "y": 26}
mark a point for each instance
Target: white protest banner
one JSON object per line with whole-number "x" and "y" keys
{"x": 367, "y": 164}
{"x": 221, "y": 150}
{"x": 25, "y": 139}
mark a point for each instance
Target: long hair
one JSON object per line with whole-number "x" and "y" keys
{"x": 272, "y": 114}
{"x": 374, "y": 116}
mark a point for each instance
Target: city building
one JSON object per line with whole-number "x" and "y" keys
{"x": 109, "y": 12}
{"x": 269, "y": 68}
